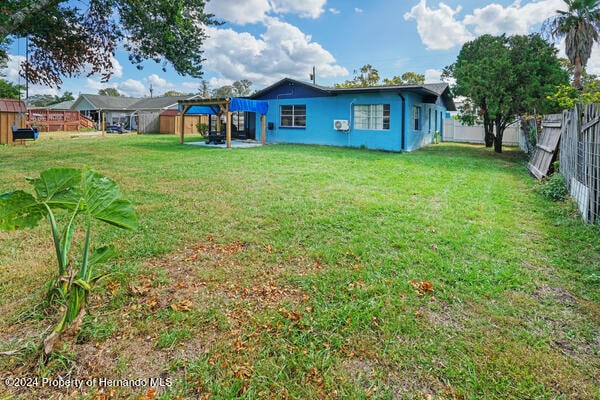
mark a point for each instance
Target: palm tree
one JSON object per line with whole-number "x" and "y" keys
{"x": 579, "y": 26}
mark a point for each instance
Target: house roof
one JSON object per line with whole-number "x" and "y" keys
{"x": 12, "y": 105}
{"x": 120, "y": 103}
{"x": 289, "y": 81}
{"x": 99, "y": 102}
{"x": 431, "y": 91}
{"x": 160, "y": 103}
{"x": 65, "y": 105}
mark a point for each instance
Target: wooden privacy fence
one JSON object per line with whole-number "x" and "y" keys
{"x": 545, "y": 152}
{"x": 580, "y": 158}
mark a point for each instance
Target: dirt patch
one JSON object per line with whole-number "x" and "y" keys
{"x": 209, "y": 291}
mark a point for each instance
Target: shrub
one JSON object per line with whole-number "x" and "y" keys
{"x": 554, "y": 187}
{"x": 202, "y": 128}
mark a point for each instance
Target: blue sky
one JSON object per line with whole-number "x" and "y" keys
{"x": 266, "y": 40}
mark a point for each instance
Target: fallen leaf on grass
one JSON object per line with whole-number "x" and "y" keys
{"x": 421, "y": 287}
{"x": 149, "y": 395}
{"x": 183, "y": 305}
{"x": 141, "y": 288}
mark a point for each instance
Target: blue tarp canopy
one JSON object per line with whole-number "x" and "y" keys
{"x": 208, "y": 107}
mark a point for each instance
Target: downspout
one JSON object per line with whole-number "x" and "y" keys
{"x": 350, "y": 123}
{"x": 403, "y": 130}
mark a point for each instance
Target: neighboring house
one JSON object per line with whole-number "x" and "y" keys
{"x": 147, "y": 111}
{"x": 132, "y": 113}
{"x": 393, "y": 118}
{"x": 116, "y": 109}
{"x": 65, "y": 105}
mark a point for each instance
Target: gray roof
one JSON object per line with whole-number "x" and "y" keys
{"x": 100, "y": 102}
{"x": 65, "y": 105}
{"x": 120, "y": 103}
{"x": 159, "y": 103}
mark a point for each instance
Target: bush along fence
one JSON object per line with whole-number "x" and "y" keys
{"x": 580, "y": 158}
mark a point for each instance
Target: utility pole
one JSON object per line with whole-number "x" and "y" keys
{"x": 26, "y": 67}
{"x": 313, "y": 76}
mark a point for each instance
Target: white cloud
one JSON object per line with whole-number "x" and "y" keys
{"x": 156, "y": 81}
{"x": 255, "y": 11}
{"x": 11, "y": 74}
{"x": 439, "y": 29}
{"x": 117, "y": 68}
{"x": 93, "y": 86}
{"x": 433, "y": 76}
{"x": 140, "y": 88}
{"x": 305, "y": 8}
{"x": 13, "y": 66}
{"x": 593, "y": 65}
{"x": 133, "y": 88}
{"x": 334, "y": 11}
{"x": 245, "y": 12}
{"x": 358, "y": 10}
{"x": 282, "y": 50}
{"x": 515, "y": 19}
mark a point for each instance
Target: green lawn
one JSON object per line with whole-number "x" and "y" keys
{"x": 302, "y": 272}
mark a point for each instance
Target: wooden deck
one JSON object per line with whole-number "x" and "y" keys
{"x": 57, "y": 120}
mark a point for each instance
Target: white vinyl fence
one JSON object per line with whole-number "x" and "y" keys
{"x": 455, "y": 131}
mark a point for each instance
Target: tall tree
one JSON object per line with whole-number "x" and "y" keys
{"x": 66, "y": 39}
{"x": 365, "y": 77}
{"x": 579, "y": 25}
{"x": 173, "y": 93}
{"x": 236, "y": 89}
{"x": 44, "y": 100}
{"x": 478, "y": 70}
{"x": 109, "y": 92}
{"x": 407, "y": 78}
{"x": 204, "y": 90}
{"x": 242, "y": 88}
{"x": 9, "y": 90}
{"x": 369, "y": 76}
{"x": 499, "y": 75}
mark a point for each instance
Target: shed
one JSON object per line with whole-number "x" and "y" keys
{"x": 148, "y": 111}
{"x": 12, "y": 113}
{"x": 170, "y": 122}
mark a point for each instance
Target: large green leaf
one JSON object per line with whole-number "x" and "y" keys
{"x": 19, "y": 210}
{"x": 58, "y": 187}
{"x": 103, "y": 254}
{"x": 103, "y": 201}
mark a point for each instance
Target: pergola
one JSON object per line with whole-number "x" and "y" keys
{"x": 225, "y": 106}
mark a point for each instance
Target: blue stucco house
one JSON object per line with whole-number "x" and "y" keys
{"x": 392, "y": 118}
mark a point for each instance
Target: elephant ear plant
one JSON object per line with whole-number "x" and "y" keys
{"x": 74, "y": 196}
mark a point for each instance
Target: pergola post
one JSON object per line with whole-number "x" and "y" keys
{"x": 228, "y": 124}
{"x": 181, "y": 133}
{"x": 263, "y": 129}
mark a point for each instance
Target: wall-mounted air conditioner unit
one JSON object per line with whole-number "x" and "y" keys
{"x": 341, "y": 125}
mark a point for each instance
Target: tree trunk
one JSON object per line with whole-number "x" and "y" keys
{"x": 498, "y": 137}
{"x": 577, "y": 84}
{"x": 488, "y": 128}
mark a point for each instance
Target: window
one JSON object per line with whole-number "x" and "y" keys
{"x": 372, "y": 116}
{"x": 417, "y": 118}
{"x": 293, "y": 116}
